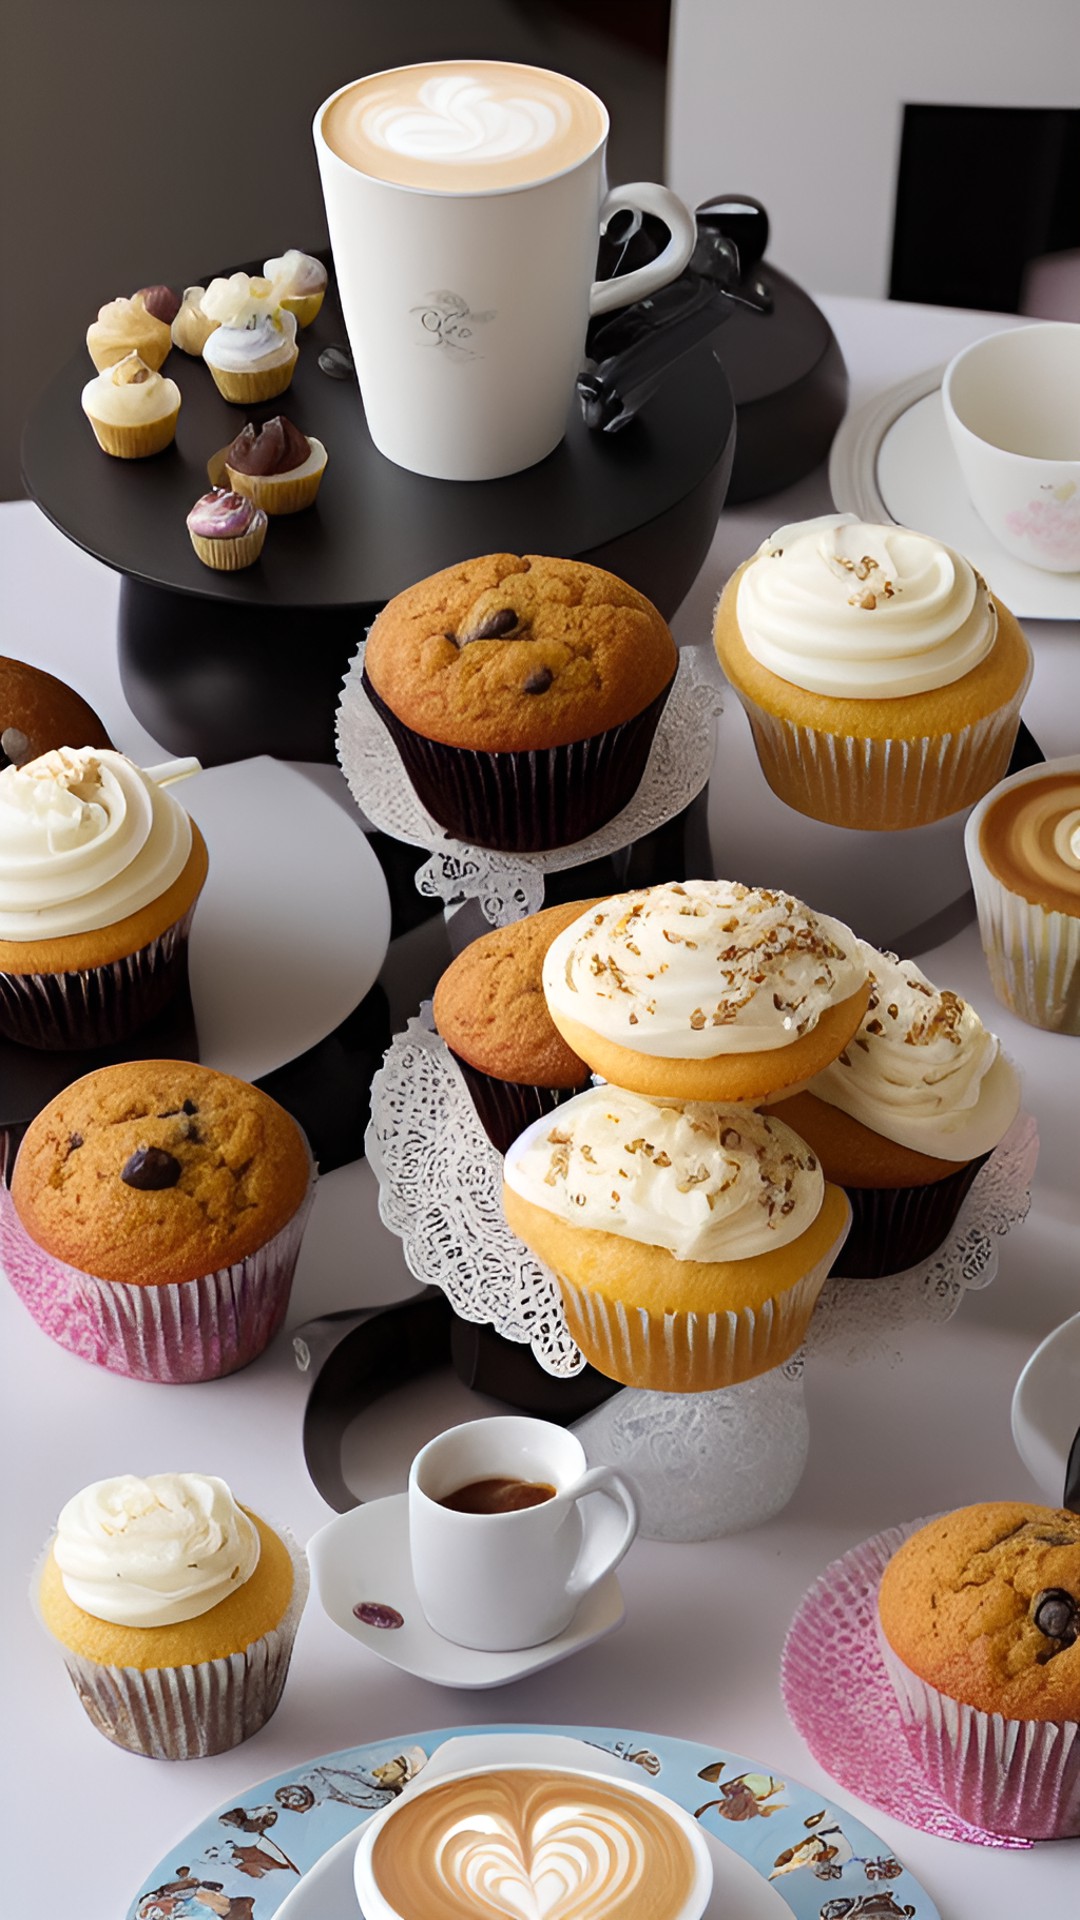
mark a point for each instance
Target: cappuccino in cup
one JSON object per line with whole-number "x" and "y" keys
{"x": 483, "y": 126}
{"x": 465, "y": 201}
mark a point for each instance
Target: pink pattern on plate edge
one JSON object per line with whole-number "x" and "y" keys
{"x": 839, "y": 1697}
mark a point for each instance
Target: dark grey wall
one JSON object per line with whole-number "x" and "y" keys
{"x": 146, "y": 140}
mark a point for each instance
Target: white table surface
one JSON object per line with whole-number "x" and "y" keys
{"x": 698, "y": 1655}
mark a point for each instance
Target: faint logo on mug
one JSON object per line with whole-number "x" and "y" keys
{"x": 445, "y": 321}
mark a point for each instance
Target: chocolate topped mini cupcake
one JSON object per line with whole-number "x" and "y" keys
{"x": 275, "y": 465}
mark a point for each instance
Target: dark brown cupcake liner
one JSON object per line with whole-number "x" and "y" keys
{"x": 894, "y": 1228}
{"x": 506, "y": 1107}
{"x": 98, "y": 1006}
{"x": 526, "y": 802}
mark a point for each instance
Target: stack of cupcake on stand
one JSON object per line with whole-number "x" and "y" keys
{"x": 690, "y": 1232}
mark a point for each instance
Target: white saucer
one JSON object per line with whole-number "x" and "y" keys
{"x": 893, "y": 460}
{"x": 1046, "y": 1409}
{"x": 363, "y": 1556}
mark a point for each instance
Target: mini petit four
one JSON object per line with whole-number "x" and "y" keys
{"x": 299, "y": 281}
{"x": 253, "y": 351}
{"x": 227, "y": 530}
{"x": 275, "y": 465}
{"x": 127, "y": 326}
{"x": 132, "y": 409}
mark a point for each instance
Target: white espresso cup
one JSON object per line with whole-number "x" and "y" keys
{"x": 1012, "y": 408}
{"x": 465, "y": 200}
{"x": 500, "y": 1580}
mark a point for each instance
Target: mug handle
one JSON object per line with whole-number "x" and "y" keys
{"x": 644, "y": 196}
{"x": 607, "y": 1534}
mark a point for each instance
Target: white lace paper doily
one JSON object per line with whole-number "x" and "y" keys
{"x": 440, "y": 1191}
{"x": 510, "y": 885}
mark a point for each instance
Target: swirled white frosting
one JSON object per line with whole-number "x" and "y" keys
{"x": 707, "y": 1182}
{"x": 295, "y": 273}
{"x": 699, "y": 968}
{"x": 922, "y": 1069}
{"x": 130, "y": 394}
{"x": 841, "y": 607}
{"x": 86, "y": 837}
{"x": 149, "y": 1553}
{"x": 264, "y": 339}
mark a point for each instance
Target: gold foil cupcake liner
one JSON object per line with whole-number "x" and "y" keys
{"x": 882, "y": 785}
{"x": 1007, "y": 1776}
{"x": 306, "y": 306}
{"x": 191, "y": 1712}
{"x": 1032, "y": 952}
{"x": 693, "y": 1352}
{"x": 262, "y": 383}
{"x": 135, "y": 442}
{"x": 229, "y": 556}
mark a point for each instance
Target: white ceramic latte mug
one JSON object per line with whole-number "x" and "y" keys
{"x": 465, "y": 201}
{"x": 497, "y": 1580}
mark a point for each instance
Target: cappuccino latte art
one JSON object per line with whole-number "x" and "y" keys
{"x": 464, "y": 126}
{"x": 528, "y": 1844}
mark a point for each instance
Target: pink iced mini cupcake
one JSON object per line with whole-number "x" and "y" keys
{"x": 979, "y": 1616}
{"x": 227, "y": 530}
{"x": 155, "y": 1218}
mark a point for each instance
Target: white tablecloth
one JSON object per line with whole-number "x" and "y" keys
{"x": 698, "y": 1655}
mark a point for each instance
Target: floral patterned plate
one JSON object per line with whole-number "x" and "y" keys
{"x": 775, "y": 1843}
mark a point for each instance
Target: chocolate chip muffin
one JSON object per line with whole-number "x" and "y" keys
{"x": 155, "y": 1217}
{"x": 523, "y": 694}
{"x": 490, "y": 1009}
{"x": 39, "y": 712}
{"x": 980, "y": 1624}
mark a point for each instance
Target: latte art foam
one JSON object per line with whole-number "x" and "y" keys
{"x": 1030, "y": 838}
{"x": 530, "y": 1845}
{"x": 464, "y": 126}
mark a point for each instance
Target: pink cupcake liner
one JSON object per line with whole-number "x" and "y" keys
{"x": 177, "y": 1333}
{"x": 98, "y": 1006}
{"x": 190, "y": 1712}
{"x": 712, "y": 1349}
{"x": 832, "y": 776}
{"x": 526, "y": 802}
{"x": 839, "y": 1698}
{"x": 1012, "y": 1776}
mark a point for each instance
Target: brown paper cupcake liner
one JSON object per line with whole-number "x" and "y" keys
{"x": 97, "y": 1006}
{"x": 135, "y": 442}
{"x": 191, "y": 1712}
{"x": 1009, "y": 1776}
{"x": 692, "y": 1352}
{"x": 178, "y": 1333}
{"x": 894, "y": 1228}
{"x": 526, "y": 802}
{"x": 882, "y": 785}
{"x": 248, "y": 388}
{"x": 506, "y": 1107}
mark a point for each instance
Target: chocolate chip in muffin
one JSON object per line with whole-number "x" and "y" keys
{"x": 150, "y": 1170}
{"x": 538, "y": 682}
{"x": 494, "y": 626}
{"x": 14, "y": 747}
{"x": 1057, "y": 1614}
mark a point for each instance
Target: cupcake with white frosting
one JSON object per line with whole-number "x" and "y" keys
{"x": 881, "y": 678}
{"x": 1023, "y": 851}
{"x": 906, "y": 1115}
{"x": 132, "y": 409}
{"x": 705, "y": 990}
{"x": 690, "y": 1241}
{"x": 175, "y": 1609}
{"x": 252, "y": 350}
{"x": 100, "y": 870}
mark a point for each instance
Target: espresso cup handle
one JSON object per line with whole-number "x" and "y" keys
{"x": 607, "y": 1532}
{"x": 644, "y": 196}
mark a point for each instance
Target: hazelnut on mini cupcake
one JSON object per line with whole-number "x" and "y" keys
{"x": 161, "y": 301}
{"x": 128, "y": 326}
{"x": 191, "y": 327}
{"x": 276, "y": 465}
{"x": 132, "y": 409}
{"x": 253, "y": 350}
{"x": 299, "y": 280}
{"x": 227, "y": 530}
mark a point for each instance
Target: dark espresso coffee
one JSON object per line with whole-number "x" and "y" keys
{"x": 499, "y": 1495}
